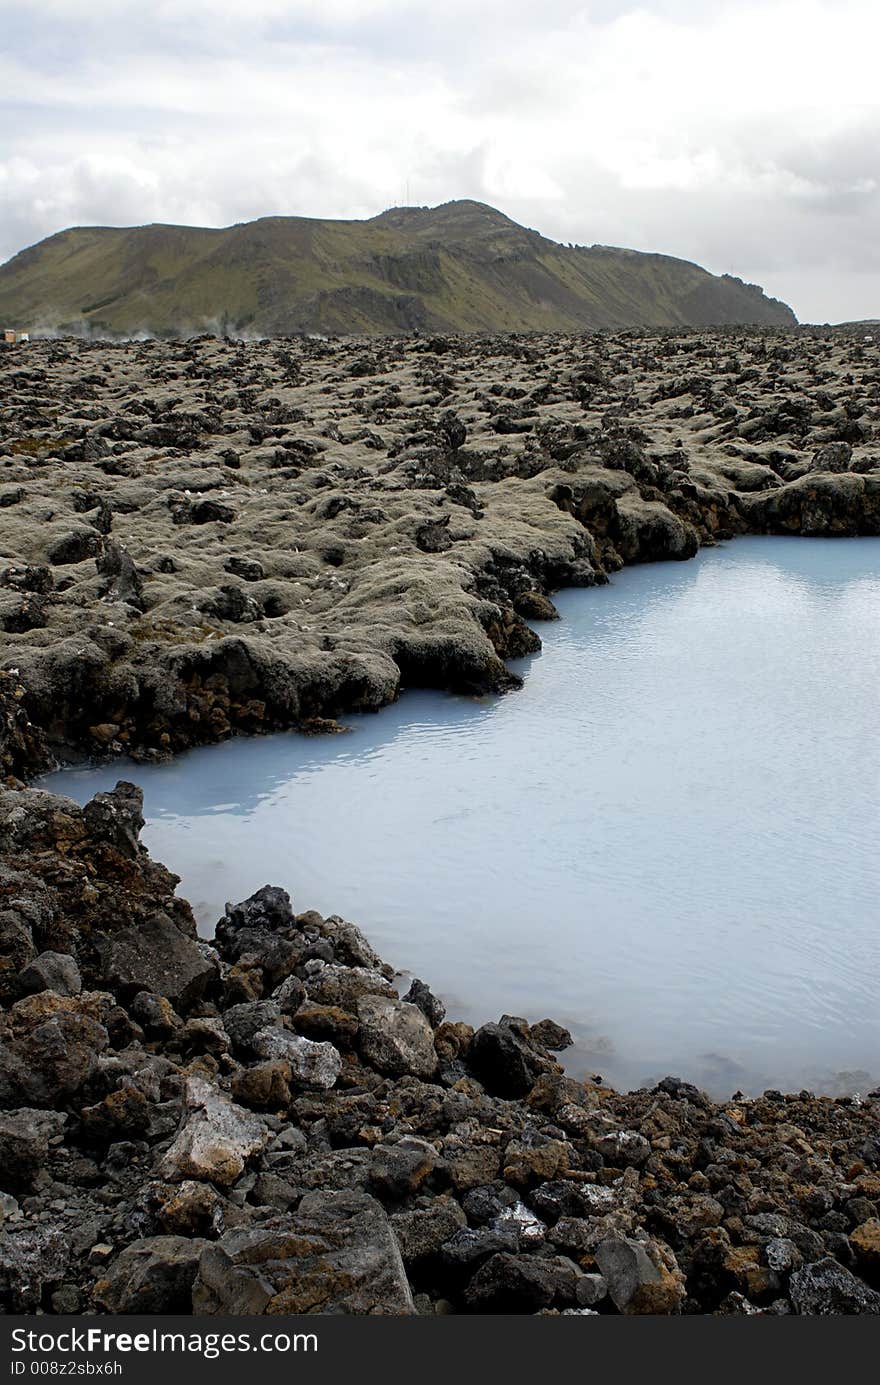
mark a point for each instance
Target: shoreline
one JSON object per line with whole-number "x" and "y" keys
{"x": 177, "y": 1114}
{"x": 411, "y": 513}
{"x": 731, "y": 1070}
{"x": 399, "y": 515}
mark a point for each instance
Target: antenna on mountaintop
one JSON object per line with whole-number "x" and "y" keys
{"x": 407, "y": 192}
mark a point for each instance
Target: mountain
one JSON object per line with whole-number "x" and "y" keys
{"x": 459, "y": 267}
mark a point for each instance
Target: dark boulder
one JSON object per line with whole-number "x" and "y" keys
{"x": 155, "y": 956}
{"x": 504, "y": 1061}
{"x": 51, "y": 971}
{"x": 154, "y": 1275}
{"x": 825, "y": 1289}
{"x": 336, "y": 1254}
{"x": 24, "y": 1144}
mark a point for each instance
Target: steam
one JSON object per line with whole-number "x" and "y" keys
{"x": 52, "y": 325}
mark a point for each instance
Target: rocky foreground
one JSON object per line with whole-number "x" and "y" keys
{"x": 260, "y": 1125}
{"x": 211, "y": 537}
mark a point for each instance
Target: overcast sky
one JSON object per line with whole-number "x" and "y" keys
{"x": 743, "y": 136}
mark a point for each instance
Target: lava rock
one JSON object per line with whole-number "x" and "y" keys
{"x": 154, "y": 1275}
{"x": 503, "y": 1061}
{"x": 25, "y": 1135}
{"x": 336, "y": 1254}
{"x": 52, "y": 971}
{"x": 422, "y": 1232}
{"x": 641, "y": 1277}
{"x": 243, "y": 1022}
{"x": 32, "y": 1258}
{"x": 311, "y": 1064}
{"x": 248, "y": 569}
{"x": 157, "y": 957}
{"x": 521, "y": 1284}
{"x": 825, "y": 1288}
{"x": 263, "y": 1087}
{"x": 395, "y": 1037}
{"x": 216, "y": 1141}
{"x": 424, "y": 999}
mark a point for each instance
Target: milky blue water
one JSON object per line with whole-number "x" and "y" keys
{"x": 668, "y": 840}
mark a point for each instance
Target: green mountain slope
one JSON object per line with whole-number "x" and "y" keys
{"x": 459, "y": 267}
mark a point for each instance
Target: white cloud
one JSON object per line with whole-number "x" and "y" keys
{"x": 739, "y": 135}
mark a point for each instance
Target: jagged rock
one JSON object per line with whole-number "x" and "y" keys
{"x": 261, "y": 930}
{"x": 52, "y": 971}
{"x": 243, "y": 1022}
{"x": 503, "y": 1061}
{"x": 350, "y": 947}
{"x": 484, "y": 1204}
{"x": 781, "y": 1254}
{"x": 326, "y": 1022}
{"x": 424, "y": 999}
{"x": 642, "y": 1276}
{"x": 189, "y": 1209}
{"x": 311, "y": 1064}
{"x": 122, "y": 1115}
{"x": 216, "y": 1140}
{"x": 865, "y": 1241}
{"x": 562, "y": 1199}
{"x": 590, "y": 1289}
{"x": 31, "y": 1258}
{"x": 156, "y": 1014}
{"x": 54, "y": 1050}
{"x": 471, "y": 1246}
{"x": 535, "y": 1159}
{"x": 399, "y": 1170}
{"x": 268, "y": 908}
{"x": 203, "y": 1035}
{"x": 154, "y": 1275}
{"x": 24, "y": 1144}
{"x": 825, "y": 1288}
{"x": 834, "y": 456}
{"x": 336, "y": 1254}
{"x": 548, "y": 1034}
{"x": 395, "y": 1037}
{"x": 624, "y": 1148}
{"x": 521, "y": 1284}
{"x": 290, "y": 995}
{"x": 422, "y": 1232}
{"x": 470, "y": 1165}
{"x": 117, "y": 817}
{"x": 156, "y": 957}
{"x": 264, "y": 1087}
{"x": 344, "y": 986}
{"x": 530, "y": 1231}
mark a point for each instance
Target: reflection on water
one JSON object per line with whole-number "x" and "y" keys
{"x": 666, "y": 841}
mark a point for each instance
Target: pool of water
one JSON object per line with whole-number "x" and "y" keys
{"x": 666, "y": 841}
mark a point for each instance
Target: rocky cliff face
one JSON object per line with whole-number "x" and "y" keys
{"x": 459, "y": 267}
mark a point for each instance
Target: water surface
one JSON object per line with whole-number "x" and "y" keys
{"x": 666, "y": 841}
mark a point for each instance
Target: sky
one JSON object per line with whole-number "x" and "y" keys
{"x": 743, "y": 136}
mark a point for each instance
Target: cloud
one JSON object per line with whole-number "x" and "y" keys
{"x": 739, "y": 135}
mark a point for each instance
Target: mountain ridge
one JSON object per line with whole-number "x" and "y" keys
{"x": 462, "y": 266}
